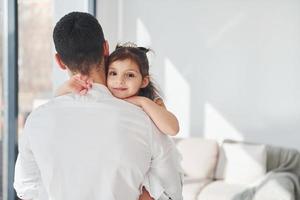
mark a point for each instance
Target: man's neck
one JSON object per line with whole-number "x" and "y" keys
{"x": 98, "y": 76}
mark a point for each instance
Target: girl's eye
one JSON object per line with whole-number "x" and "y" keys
{"x": 112, "y": 73}
{"x": 130, "y": 75}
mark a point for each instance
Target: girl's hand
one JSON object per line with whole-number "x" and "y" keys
{"x": 80, "y": 84}
{"x": 136, "y": 100}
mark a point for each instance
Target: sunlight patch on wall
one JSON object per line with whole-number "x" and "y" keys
{"x": 142, "y": 34}
{"x": 217, "y": 127}
{"x": 177, "y": 93}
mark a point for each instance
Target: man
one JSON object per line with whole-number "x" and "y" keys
{"x": 92, "y": 147}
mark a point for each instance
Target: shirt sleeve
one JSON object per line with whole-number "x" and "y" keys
{"x": 164, "y": 179}
{"x": 27, "y": 179}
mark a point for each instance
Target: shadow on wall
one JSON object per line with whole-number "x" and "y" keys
{"x": 225, "y": 57}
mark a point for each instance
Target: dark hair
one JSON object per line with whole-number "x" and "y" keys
{"x": 137, "y": 55}
{"x": 78, "y": 39}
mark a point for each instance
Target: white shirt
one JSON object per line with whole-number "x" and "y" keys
{"x": 94, "y": 147}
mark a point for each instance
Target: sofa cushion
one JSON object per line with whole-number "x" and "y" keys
{"x": 241, "y": 163}
{"x": 192, "y": 187}
{"x": 220, "y": 190}
{"x": 199, "y": 157}
{"x": 280, "y": 187}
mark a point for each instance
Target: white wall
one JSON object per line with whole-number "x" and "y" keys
{"x": 228, "y": 69}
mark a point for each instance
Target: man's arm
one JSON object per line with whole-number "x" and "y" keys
{"x": 165, "y": 174}
{"x": 27, "y": 175}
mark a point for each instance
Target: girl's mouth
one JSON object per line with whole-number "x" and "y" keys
{"x": 120, "y": 89}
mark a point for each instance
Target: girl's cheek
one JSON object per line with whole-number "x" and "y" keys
{"x": 108, "y": 80}
{"x": 108, "y": 83}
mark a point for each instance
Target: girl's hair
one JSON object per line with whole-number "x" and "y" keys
{"x": 137, "y": 55}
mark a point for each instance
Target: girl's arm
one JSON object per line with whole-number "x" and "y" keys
{"x": 74, "y": 84}
{"x": 163, "y": 119}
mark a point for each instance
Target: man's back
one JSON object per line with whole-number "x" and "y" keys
{"x": 88, "y": 147}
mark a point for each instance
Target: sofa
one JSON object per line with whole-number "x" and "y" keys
{"x": 234, "y": 170}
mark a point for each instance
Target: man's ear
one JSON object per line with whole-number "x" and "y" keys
{"x": 145, "y": 82}
{"x": 105, "y": 48}
{"x": 60, "y": 63}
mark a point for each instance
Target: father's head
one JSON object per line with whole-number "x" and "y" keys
{"x": 79, "y": 42}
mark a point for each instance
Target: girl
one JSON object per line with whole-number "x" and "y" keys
{"x": 127, "y": 71}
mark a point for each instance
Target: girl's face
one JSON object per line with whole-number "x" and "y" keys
{"x": 124, "y": 78}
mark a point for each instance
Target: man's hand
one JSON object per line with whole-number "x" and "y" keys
{"x": 145, "y": 195}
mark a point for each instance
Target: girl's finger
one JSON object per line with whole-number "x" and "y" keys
{"x": 77, "y": 88}
{"x": 83, "y": 92}
{"x": 83, "y": 77}
{"x": 82, "y": 83}
{"x": 90, "y": 83}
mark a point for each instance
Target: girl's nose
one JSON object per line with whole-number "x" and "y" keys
{"x": 121, "y": 80}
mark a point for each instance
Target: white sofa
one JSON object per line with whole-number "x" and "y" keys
{"x": 235, "y": 171}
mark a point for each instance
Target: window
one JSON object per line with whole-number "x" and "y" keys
{"x": 1, "y": 94}
{"x": 35, "y": 55}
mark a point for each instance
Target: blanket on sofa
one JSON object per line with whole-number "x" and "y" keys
{"x": 283, "y": 167}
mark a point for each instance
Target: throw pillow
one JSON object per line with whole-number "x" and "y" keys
{"x": 241, "y": 163}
